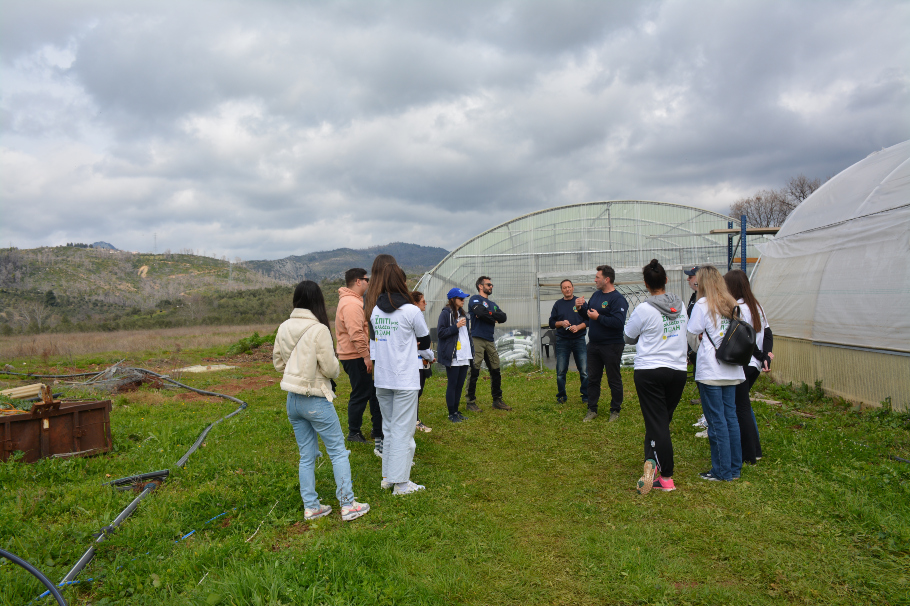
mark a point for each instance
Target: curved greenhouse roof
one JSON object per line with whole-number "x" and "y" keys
{"x": 528, "y": 256}
{"x": 835, "y": 283}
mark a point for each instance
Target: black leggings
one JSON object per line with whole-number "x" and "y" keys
{"x": 659, "y": 391}
{"x": 748, "y": 431}
{"x": 456, "y": 376}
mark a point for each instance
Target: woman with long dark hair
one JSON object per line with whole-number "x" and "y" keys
{"x": 369, "y": 301}
{"x": 456, "y": 349}
{"x": 716, "y": 380}
{"x": 397, "y": 331}
{"x": 657, "y": 328}
{"x": 305, "y": 353}
{"x": 751, "y": 312}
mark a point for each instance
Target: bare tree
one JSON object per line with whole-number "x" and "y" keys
{"x": 799, "y": 188}
{"x": 767, "y": 208}
{"x": 770, "y": 207}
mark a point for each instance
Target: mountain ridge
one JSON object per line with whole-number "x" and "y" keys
{"x": 331, "y": 264}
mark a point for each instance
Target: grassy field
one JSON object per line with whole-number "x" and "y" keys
{"x": 526, "y": 507}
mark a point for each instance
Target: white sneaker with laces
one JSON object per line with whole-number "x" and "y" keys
{"x": 353, "y": 511}
{"x": 317, "y": 512}
{"x": 408, "y": 487}
{"x": 702, "y": 434}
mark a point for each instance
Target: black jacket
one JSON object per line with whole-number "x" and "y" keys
{"x": 447, "y": 335}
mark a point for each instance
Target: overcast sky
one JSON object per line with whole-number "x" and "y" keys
{"x": 263, "y": 129}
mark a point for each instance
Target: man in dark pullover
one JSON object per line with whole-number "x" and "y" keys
{"x": 484, "y": 316}
{"x": 606, "y": 311}
{"x": 570, "y": 339}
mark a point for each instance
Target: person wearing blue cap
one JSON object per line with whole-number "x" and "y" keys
{"x": 456, "y": 349}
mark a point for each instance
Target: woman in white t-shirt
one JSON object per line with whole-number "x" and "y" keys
{"x": 751, "y": 312}
{"x": 657, "y": 328}
{"x": 716, "y": 380}
{"x": 425, "y": 360}
{"x": 397, "y": 331}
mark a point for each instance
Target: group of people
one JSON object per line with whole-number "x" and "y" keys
{"x": 665, "y": 336}
{"x": 383, "y": 345}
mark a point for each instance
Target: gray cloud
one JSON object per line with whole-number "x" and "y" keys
{"x": 262, "y": 129}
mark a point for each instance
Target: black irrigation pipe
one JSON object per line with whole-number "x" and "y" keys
{"x": 148, "y": 488}
{"x": 35, "y": 573}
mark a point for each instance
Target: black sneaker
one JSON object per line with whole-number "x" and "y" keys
{"x": 707, "y": 475}
{"x": 356, "y": 436}
{"x": 560, "y": 400}
{"x": 456, "y": 417}
{"x": 472, "y": 407}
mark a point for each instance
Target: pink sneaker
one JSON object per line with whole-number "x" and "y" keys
{"x": 665, "y": 484}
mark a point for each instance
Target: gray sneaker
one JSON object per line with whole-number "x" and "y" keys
{"x": 614, "y": 416}
{"x": 590, "y": 416}
{"x": 472, "y": 407}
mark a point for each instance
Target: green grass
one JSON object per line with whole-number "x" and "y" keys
{"x": 527, "y": 507}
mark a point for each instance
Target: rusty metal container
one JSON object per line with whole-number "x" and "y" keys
{"x": 66, "y": 429}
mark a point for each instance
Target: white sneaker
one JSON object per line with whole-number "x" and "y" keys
{"x": 701, "y": 422}
{"x": 318, "y": 512}
{"x": 386, "y": 485}
{"x": 353, "y": 511}
{"x": 407, "y": 488}
{"x": 702, "y": 434}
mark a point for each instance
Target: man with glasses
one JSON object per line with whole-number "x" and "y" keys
{"x": 485, "y": 314}
{"x": 354, "y": 353}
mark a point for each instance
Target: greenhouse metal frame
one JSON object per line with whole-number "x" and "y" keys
{"x": 527, "y": 257}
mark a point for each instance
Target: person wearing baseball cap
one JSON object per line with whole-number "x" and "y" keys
{"x": 456, "y": 349}
{"x": 693, "y": 284}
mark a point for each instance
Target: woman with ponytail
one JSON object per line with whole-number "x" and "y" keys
{"x": 657, "y": 328}
{"x": 716, "y": 380}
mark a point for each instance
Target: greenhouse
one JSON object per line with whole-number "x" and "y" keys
{"x": 527, "y": 258}
{"x": 835, "y": 283}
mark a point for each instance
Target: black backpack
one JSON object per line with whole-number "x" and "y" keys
{"x": 738, "y": 343}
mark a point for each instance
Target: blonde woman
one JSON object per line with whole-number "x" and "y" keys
{"x": 716, "y": 381}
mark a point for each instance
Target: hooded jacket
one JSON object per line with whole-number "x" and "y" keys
{"x": 389, "y": 306}
{"x": 668, "y": 304}
{"x": 353, "y": 342}
{"x": 303, "y": 351}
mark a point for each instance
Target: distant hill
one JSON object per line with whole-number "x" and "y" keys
{"x": 103, "y": 245}
{"x": 331, "y": 264}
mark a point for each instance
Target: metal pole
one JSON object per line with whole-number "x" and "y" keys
{"x": 729, "y": 246}
{"x": 90, "y": 552}
{"x": 742, "y": 231}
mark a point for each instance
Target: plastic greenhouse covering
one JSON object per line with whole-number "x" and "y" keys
{"x": 528, "y": 257}
{"x": 838, "y": 271}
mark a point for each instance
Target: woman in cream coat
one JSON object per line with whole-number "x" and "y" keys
{"x": 305, "y": 353}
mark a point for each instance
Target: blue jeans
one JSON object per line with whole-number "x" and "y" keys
{"x": 718, "y": 402}
{"x": 564, "y": 349}
{"x": 309, "y": 416}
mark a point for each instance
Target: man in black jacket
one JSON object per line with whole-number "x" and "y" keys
{"x": 485, "y": 314}
{"x": 606, "y": 313}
